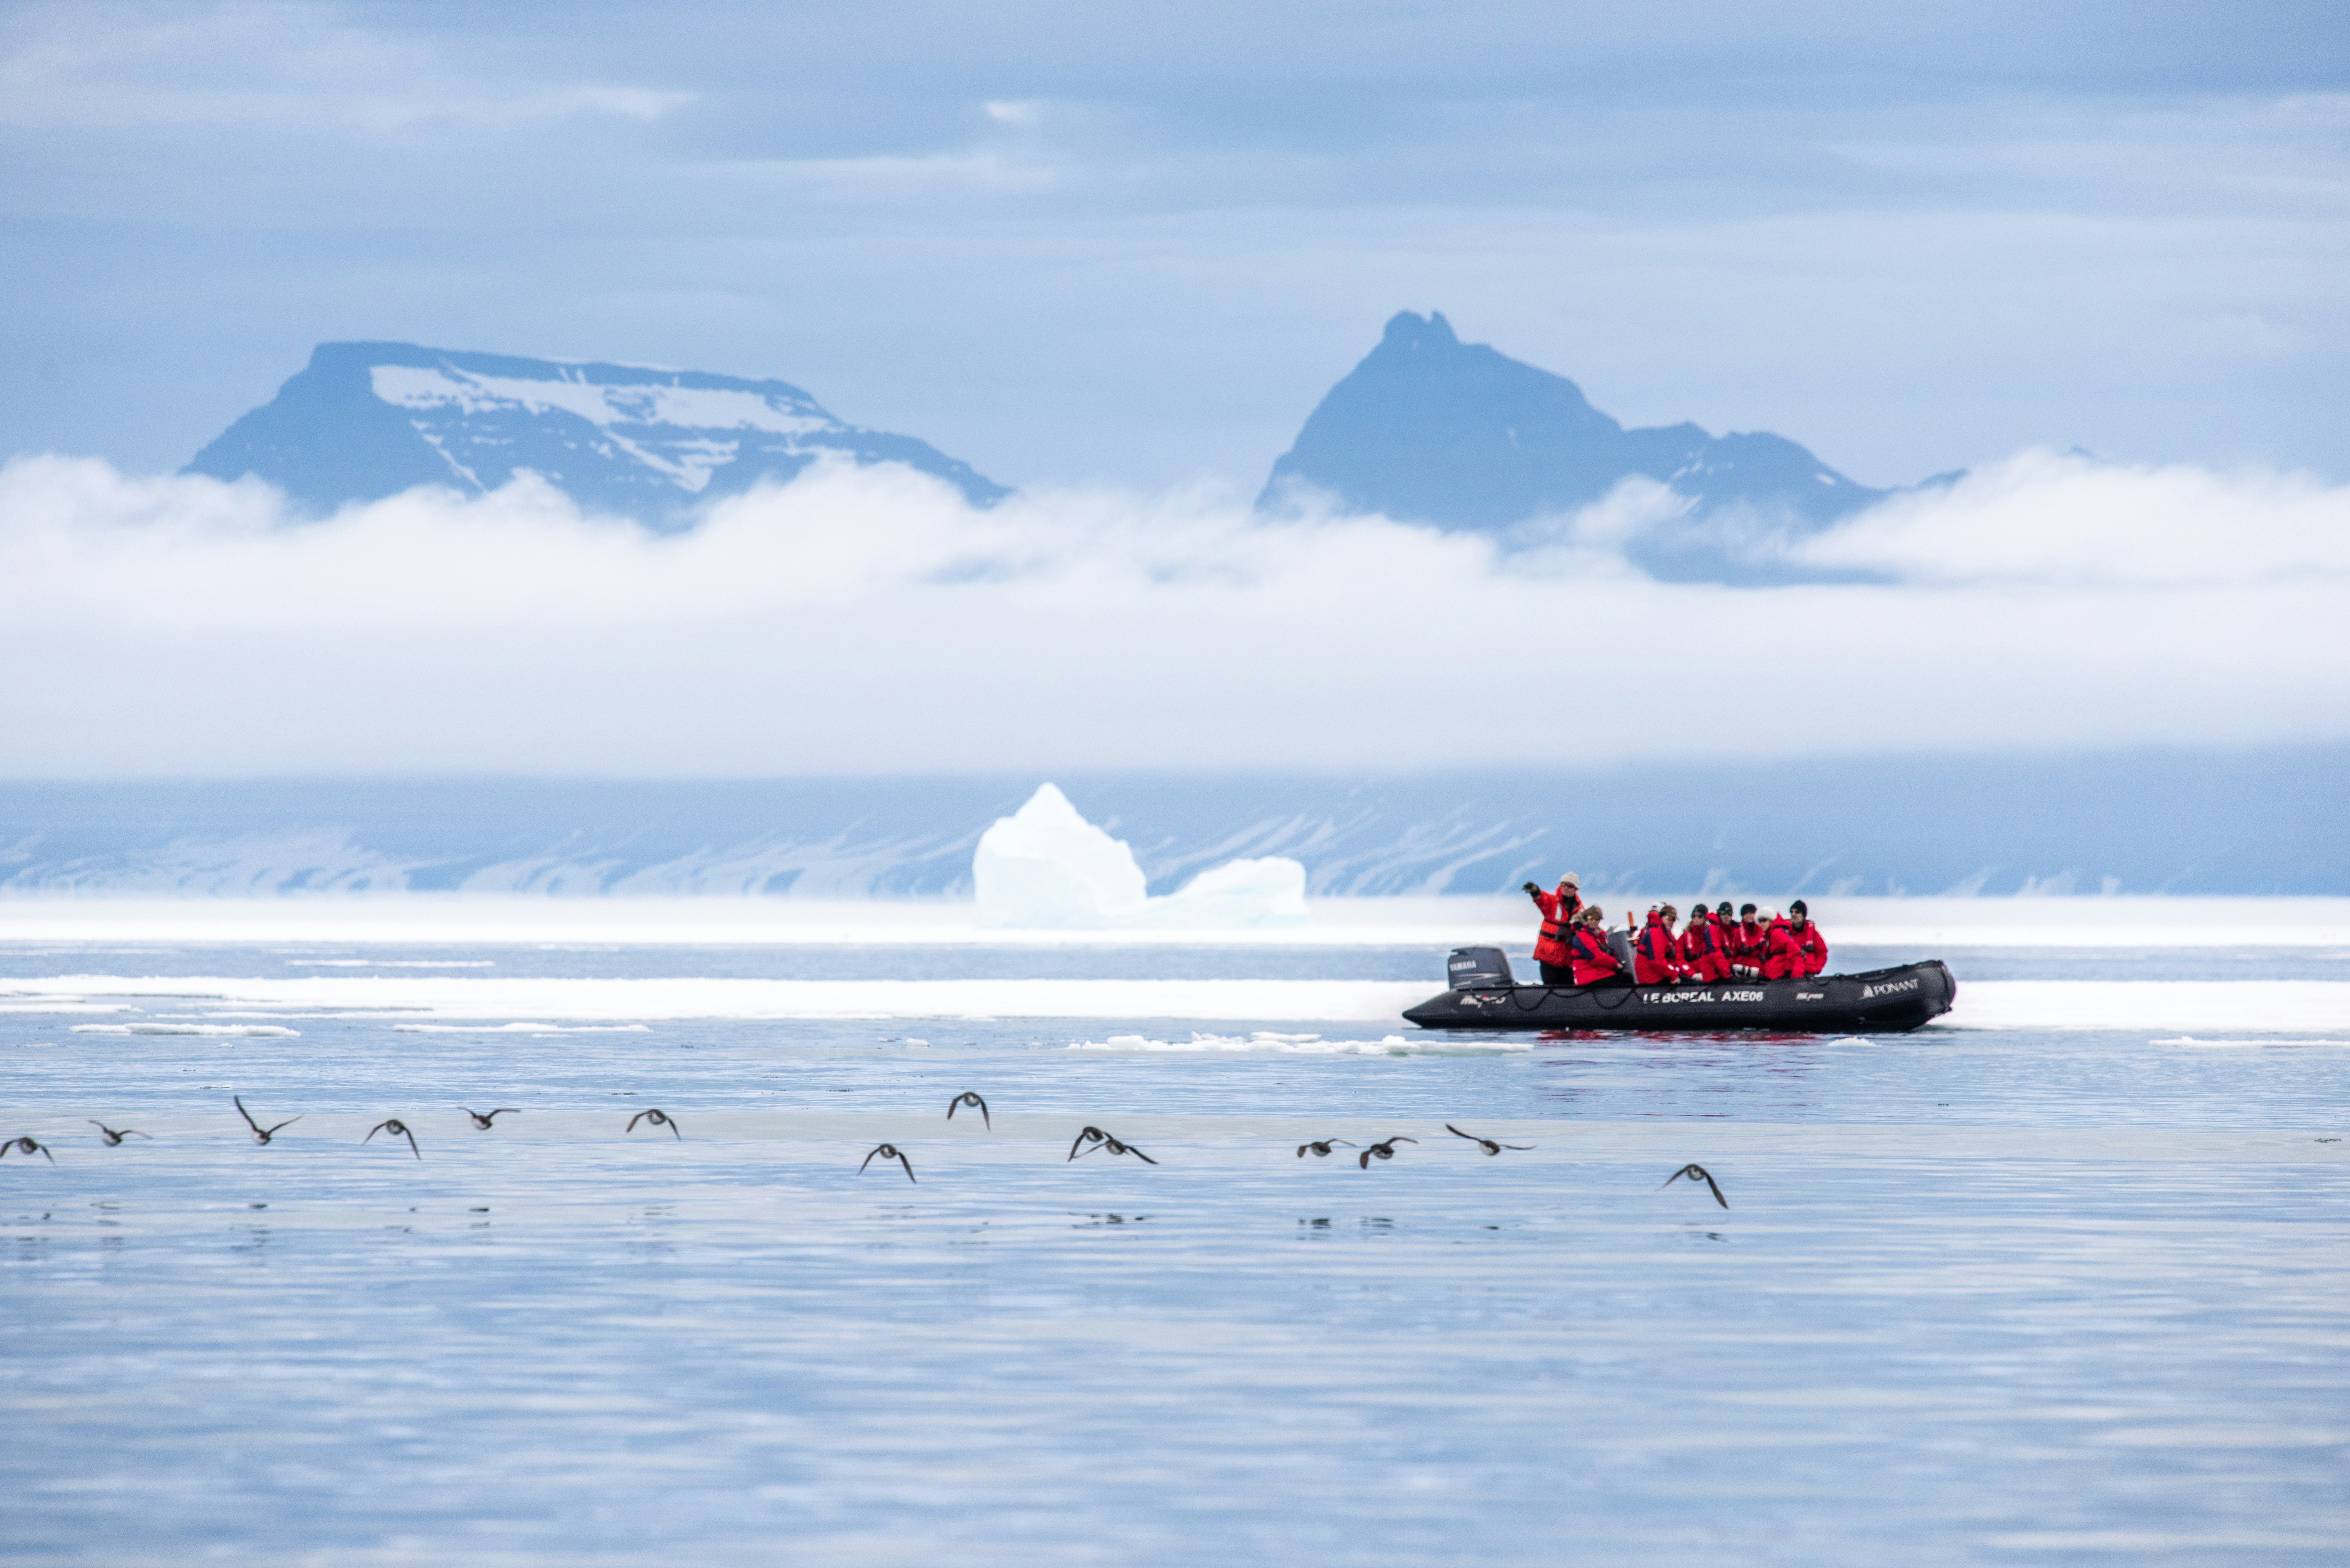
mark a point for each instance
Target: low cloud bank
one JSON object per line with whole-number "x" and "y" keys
{"x": 869, "y": 620}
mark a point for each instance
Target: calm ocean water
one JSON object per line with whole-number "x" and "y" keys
{"x": 1981, "y": 1295}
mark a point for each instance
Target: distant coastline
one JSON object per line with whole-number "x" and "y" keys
{"x": 2268, "y": 822}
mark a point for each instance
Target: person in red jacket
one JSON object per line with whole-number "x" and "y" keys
{"x": 1705, "y": 947}
{"x": 1797, "y": 950}
{"x": 1656, "y": 952}
{"x": 1595, "y": 960}
{"x": 1812, "y": 947}
{"x": 1747, "y": 940}
{"x": 1552, "y": 948}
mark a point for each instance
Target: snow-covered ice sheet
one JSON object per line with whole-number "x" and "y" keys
{"x": 1921, "y": 926}
{"x": 1420, "y": 1043}
{"x": 2275, "y": 1042}
{"x": 520, "y": 1026}
{"x": 248, "y": 1030}
{"x": 2180, "y": 1006}
{"x": 454, "y": 997}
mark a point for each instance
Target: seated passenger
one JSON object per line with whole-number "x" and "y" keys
{"x": 1748, "y": 938}
{"x": 1558, "y": 912}
{"x": 1788, "y": 954}
{"x": 1656, "y": 954}
{"x": 1686, "y": 946}
{"x": 1705, "y": 947}
{"x": 1812, "y": 946}
{"x": 1595, "y": 960}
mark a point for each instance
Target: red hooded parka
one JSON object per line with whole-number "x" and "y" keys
{"x": 1655, "y": 953}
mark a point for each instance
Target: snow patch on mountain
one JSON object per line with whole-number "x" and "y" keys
{"x": 700, "y": 408}
{"x": 367, "y": 420}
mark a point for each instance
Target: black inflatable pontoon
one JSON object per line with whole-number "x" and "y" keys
{"x": 1883, "y": 1000}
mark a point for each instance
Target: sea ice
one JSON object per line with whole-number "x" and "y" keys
{"x": 1426, "y": 1045}
{"x": 254, "y": 1030}
{"x": 1045, "y": 867}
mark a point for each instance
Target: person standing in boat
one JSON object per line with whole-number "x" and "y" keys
{"x": 1595, "y": 961}
{"x": 1554, "y": 950}
{"x": 1656, "y": 956}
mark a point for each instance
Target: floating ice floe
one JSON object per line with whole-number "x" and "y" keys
{"x": 520, "y": 1028}
{"x": 1308, "y": 1045}
{"x": 1046, "y": 867}
{"x": 2189, "y": 1040}
{"x": 62, "y": 1006}
{"x": 263, "y": 1031}
{"x": 391, "y": 963}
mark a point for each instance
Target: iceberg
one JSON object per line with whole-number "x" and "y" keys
{"x": 1270, "y": 892}
{"x": 1046, "y": 867}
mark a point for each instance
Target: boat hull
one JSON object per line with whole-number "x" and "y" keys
{"x": 1881, "y": 1002}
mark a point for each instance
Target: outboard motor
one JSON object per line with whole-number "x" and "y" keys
{"x": 1479, "y": 969}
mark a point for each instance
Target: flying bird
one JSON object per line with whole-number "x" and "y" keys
{"x": 397, "y": 1129}
{"x": 1320, "y": 1147}
{"x": 1094, "y": 1137}
{"x": 260, "y": 1133}
{"x": 659, "y": 1118}
{"x": 1488, "y": 1144}
{"x": 26, "y": 1146}
{"x": 482, "y": 1119}
{"x": 113, "y": 1137}
{"x": 1696, "y": 1173}
{"x": 1382, "y": 1150}
{"x": 884, "y": 1153}
{"x": 969, "y": 1098}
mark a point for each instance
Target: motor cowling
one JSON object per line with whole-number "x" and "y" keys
{"x": 1479, "y": 969}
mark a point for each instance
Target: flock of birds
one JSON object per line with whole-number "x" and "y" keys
{"x": 1087, "y": 1141}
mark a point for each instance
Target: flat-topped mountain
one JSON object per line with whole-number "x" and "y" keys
{"x": 366, "y": 421}
{"x": 1429, "y": 429}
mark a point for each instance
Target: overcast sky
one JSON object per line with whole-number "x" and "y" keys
{"x": 1071, "y": 243}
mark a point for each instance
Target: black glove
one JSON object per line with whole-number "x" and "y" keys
{"x": 1532, "y": 888}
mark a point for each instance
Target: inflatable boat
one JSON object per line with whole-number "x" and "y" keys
{"x": 1884, "y": 1001}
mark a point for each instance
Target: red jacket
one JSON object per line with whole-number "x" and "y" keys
{"x": 1656, "y": 954}
{"x": 1558, "y": 912}
{"x": 1705, "y": 949}
{"x": 1811, "y": 945}
{"x": 1748, "y": 941}
{"x": 1594, "y": 960}
{"x": 1793, "y": 954}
